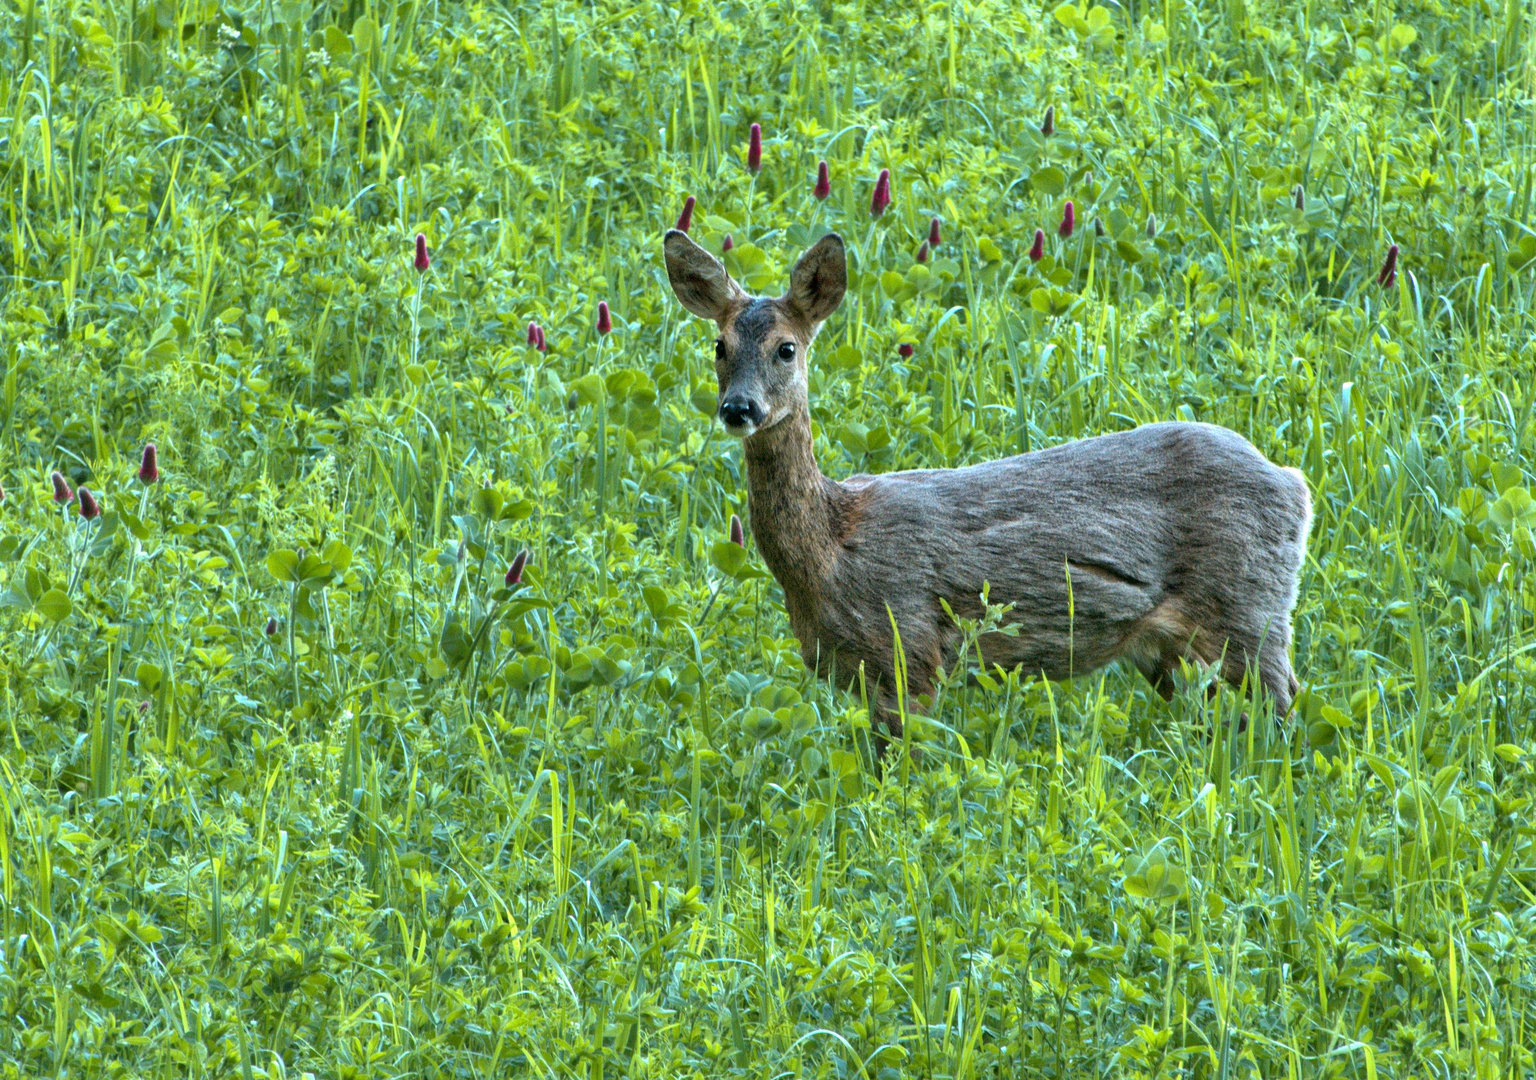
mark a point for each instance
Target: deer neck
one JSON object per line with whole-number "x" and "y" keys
{"x": 791, "y": 504}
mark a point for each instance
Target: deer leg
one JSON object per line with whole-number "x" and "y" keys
{"x": 1158, "y": 676}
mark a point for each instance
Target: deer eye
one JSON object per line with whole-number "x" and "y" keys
{"x": 719, "y": 351}
{"x": 787, "y": 351}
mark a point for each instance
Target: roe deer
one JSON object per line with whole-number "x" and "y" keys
{"x": 1179, "y": 540}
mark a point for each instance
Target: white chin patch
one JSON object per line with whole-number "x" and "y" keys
{"x": 739, "y": 431}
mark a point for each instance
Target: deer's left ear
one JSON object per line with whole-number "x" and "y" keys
{"x": 819, "y": 280}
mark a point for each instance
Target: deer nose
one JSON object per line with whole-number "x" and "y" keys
{"x": 739, "y": 411}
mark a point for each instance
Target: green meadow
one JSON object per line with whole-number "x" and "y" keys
{"x": 294, "y": 784}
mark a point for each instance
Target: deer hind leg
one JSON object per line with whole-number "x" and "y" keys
{"x": 1163, "y": 639}
{"x": 1158, "y": 674}
{"x": 1262, "y": 653}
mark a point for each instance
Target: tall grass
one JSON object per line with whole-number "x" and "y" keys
{"x": 602, "y": 822}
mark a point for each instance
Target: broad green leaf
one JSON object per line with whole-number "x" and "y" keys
{"x": 1513, "y": 508}
{"x": 365, "y": 35}
{"x": 337, "y": 43}
{"x": 148, "y": 676}
{"x": 727, "y": 557}
{"x": 488, "y": 503}
{"x": 1049, "y": 180}
{"x": 55, "y": 605}
{"x": 588, "y": 389}
{"x": 284, "y": 565}
{"x": 338, "y": 555}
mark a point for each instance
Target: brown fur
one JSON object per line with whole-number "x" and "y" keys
{"x": 1171, "y": 542}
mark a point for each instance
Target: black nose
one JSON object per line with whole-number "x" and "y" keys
{"x": 738, "y": 411}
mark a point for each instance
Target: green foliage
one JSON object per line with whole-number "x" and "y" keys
{"x": 294, "y": 781}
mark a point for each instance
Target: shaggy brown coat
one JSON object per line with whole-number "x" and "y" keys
{"x": 1176, "y": 540}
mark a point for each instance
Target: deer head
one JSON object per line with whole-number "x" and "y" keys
{"x": 760, "y": 355}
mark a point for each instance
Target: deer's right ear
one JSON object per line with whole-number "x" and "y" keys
{"x": 698, "y": 278}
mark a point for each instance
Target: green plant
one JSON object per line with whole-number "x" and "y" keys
{"x": 432, "y": 825}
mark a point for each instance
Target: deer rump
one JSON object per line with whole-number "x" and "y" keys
{"x": 1169, "y": 541}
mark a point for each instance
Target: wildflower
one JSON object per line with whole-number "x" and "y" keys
{"x": 423, "y": 260}
{"x": 271, "y": 627}
{"x": 685, "y": 219}
{"x": 755, "y": 149}
{"x": 823, "y": 181}
{"x": 543, "y": 345}
{"x": 89, "y": 509}
{"x": 1151, "y": 226}
{"x": 922, "y": 252}
{"x": 882, "y": 196}
{"x": 1048, "y": 125}
{"x": 604, "y": 319}
{"x": 149, "y": 465}
{"x": 1068, "y": 221}
{"x": 905, "y": 350}
{"x": 738, "y": 537}
{"x": 1037, "y": 249}
{"x": 727, "y": 243}
{"x": 1301, "y": 198}
{"x": 933, "y": 234}
{"x": 62, "y": 493}
{"x": 1388, "y": 276}
{"x": 533, "y": 335}
{"x": 515, "y": 571}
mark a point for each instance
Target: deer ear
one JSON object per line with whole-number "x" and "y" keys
{"x": 819, "y": 279}
{"x": 698, "y": 278}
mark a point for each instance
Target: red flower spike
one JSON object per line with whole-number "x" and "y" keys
{"x": 905, "y": 350}
{"x": 2, "y": 494}
{"x": 62, "y": 493}
{"x": 1037, "y": 249}
{"x": 604, "y": 319}
{"x": 423, "y": 260}
{"x": 738, "y": 536}
{"x": 515, "y": 571}
{"x": 1048, "y": 125}
{"x": 149, "y": 465}
{"x": 533, "y": 334}
{"x": 882, "y": 196}
{"x": 922, "y": 252}
{"x": 685, "y": 219}
{"x": 823, "y": 181}
{"x": 1068, "y": 221}
{"x": 543, "y": 346}
{"x": 933, "y": 234}
{"x": 1388, "y": 276}
{"x": 727, "y": 243}
{"x": 755, "y": 148}
{"x": 89, "y": 509}
{"x": 271, "y": 627}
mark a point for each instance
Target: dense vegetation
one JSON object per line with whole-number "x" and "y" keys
{"x": 291, "y": 780}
